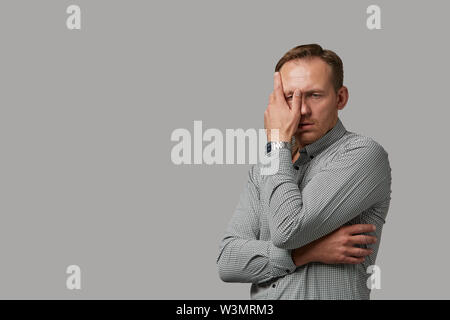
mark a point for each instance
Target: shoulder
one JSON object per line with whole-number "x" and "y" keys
{"x": 364, "y": 145}
{"x": 362, "y": 151}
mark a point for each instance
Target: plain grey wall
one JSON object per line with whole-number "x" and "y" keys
{"x": 86, "y": 116}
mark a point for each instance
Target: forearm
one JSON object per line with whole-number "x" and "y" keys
{"x": 253, "y": 261}
{"x": 303, "y": 255}
{"x": 281, "y": 195}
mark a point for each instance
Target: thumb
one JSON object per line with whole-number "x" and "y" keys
{"x": 297, "y": 101}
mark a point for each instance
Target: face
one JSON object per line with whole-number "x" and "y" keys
{"x": 320, "y": 103}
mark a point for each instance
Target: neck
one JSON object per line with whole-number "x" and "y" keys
{"x": 295, "y": 149}
{"x": 295, "y": 157}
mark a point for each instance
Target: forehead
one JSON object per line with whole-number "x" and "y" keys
{"x": 306, "y": 74}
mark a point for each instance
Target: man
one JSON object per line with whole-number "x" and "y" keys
{"x": 311, "y": 229}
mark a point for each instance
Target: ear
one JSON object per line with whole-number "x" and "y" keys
{"x": 342, "y": 97}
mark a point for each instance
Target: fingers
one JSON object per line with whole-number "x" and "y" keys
{"x": 271, "y": 98}
{"x": 353, "y": 260}
{"x": 278, "y": 86}
{"x": 359, "y": 228}
{"x": 358, "y": 252}
{"x": 297, "y": 101}
{"x": 362, "y": 239}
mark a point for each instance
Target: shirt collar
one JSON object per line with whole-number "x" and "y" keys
{"x": 334, "y": 134}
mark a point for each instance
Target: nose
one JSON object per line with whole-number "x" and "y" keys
{"x": 304, "y": 109}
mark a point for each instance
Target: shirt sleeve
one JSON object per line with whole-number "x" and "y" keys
{"x": 358, "y": 177}
{"x": 242, "y": 256}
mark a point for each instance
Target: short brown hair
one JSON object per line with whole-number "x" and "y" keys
{"x": 314, "y": 50}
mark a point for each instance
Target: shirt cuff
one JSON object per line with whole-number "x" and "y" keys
{"x": 281, "y": 261}
{"x": 281, "y": 161}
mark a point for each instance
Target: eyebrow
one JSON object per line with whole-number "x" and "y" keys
{"x": 306, "y": 92}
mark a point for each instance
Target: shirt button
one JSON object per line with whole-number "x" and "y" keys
{"x": 287, "y": 270}
{"x": 274, "y": 285}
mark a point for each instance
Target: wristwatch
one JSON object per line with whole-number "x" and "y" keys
{"x": 273, "y": 145}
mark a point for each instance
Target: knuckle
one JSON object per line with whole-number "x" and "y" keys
{"x": 345, "y": 240}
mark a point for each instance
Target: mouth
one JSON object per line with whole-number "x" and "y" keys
{"x": 305, "y": 125}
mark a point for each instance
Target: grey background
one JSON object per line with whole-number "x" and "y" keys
{"x": 86, "y": 117}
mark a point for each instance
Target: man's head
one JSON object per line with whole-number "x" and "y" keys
{"x": 319, "y": 75}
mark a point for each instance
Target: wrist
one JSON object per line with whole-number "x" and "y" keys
{"x": 279, "y": 137}
{"x": 274, "y": 145}
{"x": 301, "y": 256}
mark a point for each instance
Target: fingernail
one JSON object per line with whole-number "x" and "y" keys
{"x": 275, "y": 74}
{"x": 374, "y": 228}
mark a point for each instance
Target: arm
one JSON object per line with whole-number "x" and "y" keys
{"x": 354, "y": 181}
{"x": 244, "y": 258}
{"x": 338, "y": 247}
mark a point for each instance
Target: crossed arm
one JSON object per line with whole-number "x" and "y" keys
{"x": 242, "y": 256}
{"x": 300, "y": 220}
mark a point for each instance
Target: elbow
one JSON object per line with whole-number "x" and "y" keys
{"x": 280, "y": 242}
{"x": 225, "y": 277}
{"x": 290, "y": 236}
{"x": 223, "y": 268}
{"x": 283, "y": 241}
{"x": 224, "y": 272}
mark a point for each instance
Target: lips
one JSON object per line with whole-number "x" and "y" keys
{"x": 305, "y": 125}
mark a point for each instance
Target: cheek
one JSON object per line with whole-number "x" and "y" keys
{"x": 324, "y": 106}
{"x": 319, "y": 106}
